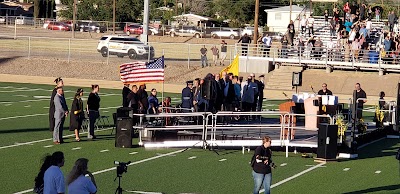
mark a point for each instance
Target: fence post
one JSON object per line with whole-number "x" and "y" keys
{"x": 69, "y": 50}
{"x": 108, "y": 52}
{"x": 29, "y": 47}
{"x": 300, "y": 53}
{"x": 188, "y": 63}
{"x": 230, "y": 57}
{"x": 148, "y": 54}
{"x": 15, "y": 28}
{"x": 379, "y": 61}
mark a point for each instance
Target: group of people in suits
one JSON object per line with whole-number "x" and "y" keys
{"x": 58, "y": 111}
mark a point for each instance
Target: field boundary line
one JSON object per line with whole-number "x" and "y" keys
{"x": 295, "y": 176}
{"x": 43, "y": 140}
{"x": 113, "y": 168}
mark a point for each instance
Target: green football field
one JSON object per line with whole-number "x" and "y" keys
{"x": 25, "y": 139}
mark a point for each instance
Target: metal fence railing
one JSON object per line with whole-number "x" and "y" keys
{"x": 340, "y": 57}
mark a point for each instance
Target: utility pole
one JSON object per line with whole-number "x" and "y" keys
{"x": 255, "y": 37}
{"x": 114, "y": 16}
{"x": 290, "y": 14}
{"x": 310, "y": 7}
{"x": 183, "y": 5}
{"x": 74, "y": 19}
{"x": 145, "y": 21}
{"x": 176, "y": 7}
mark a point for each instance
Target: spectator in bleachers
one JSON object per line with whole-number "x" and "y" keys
{"x": 352, "y": 35}
{"x": 284, "y": 47}
{"x": 310, "y": 23}
{"x": 363, "y": 31}
{"x": 363, "y": 7}
{"x": 346, "y": 9}
{"x": 373, "y": 55}
{"x": 326, "y": 15}
{"x": 303, "y": 24}
{"x": 246, "y": 40}
{"x": 348, "y": 25}
{"x": 392, "y": 19}
{"x": 267, "y": 42}
{"x": 330, "y": 49}
{"x": 332, "y": 27}
{"x": 368, "y": 26}
{"x": 355, "y": 47}
{"x": 291, "y": 32}
{"x": 369, "y": 12}
{"x": 318, "y": 48}
{"x": 336, "y": 14}
{"x": 346, "y": 52}
{"x": 353, "y": 8}
{"x": 377, "y": 14}
{"x": 387, "y": 44}
{"x": 386, "y": 28}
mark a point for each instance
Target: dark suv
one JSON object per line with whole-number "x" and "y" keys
{"x": 91, "y": 27}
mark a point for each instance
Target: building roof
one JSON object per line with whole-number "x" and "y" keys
{"x": 295, "y": 8}
{"x": 202, "y": 18}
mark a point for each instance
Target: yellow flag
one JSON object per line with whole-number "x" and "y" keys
{"x": 233, "y": 67}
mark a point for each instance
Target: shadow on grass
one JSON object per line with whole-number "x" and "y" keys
{"x": 25, "y": 130}
{"x": 383, "y": 148}
{"x": 6, "y": 59}
{"x": 376, "y": 189}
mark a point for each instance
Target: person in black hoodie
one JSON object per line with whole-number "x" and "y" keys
{"x": 262, "y": 164}
{"x": 125, "y": 92}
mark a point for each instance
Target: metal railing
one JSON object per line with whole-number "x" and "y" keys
{"x": 335, "y": 58}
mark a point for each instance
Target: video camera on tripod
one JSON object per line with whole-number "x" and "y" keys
{"x": 122, "y": 167}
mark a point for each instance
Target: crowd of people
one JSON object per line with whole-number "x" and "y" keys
{"x": 59, "y": 111}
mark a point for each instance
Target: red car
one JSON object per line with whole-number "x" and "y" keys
{"x": 133, "y": 29}
{"x": 58, "y": 26}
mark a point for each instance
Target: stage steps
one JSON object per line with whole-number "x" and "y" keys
{"x": 281, "y": 78}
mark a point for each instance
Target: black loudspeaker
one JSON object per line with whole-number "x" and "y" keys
{"x": 123, "y": 135}
{"x": 327, "y": 141}
{"x": 125, "y": 112}
{"x": 206, "y": 89}
{"x": 297, "y": 79}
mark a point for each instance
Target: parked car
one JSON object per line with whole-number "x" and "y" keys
{"x": 274, "y": 35}
{"x": 225, "y": 33}
{"x": 138, "y": 29}
{"x": 91, "y": 27}
{"x": 189, "y": 31}
{"x": 58, "y": 26}
{"x": 124, "y": 46}
{"x": 250, "y": 31}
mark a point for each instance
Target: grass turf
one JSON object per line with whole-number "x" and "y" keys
{"x": 175, "y": 173}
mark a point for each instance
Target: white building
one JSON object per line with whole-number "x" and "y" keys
{"x": 278, "y": 18}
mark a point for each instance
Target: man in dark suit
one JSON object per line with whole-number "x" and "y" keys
{"x": 61, "y": 111}
{"x": 261, "y": 86}
{"x": 324, "y": 90}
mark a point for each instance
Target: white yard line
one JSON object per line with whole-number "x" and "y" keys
{"x": 43, "y": 140}
{"x": 23, "y": 116}
{"x": 295, "y": 176}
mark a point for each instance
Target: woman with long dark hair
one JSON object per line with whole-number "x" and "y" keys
{"x": 39, "y": 182}
{"x": 93, "y": 106}
{"x": 77, "y": 115}
{"x": 59, "y": 83}
{"x": 77, "y": 182}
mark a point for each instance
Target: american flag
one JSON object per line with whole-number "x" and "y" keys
{"x": 142, "y": 72}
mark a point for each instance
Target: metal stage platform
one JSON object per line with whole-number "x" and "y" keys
{"x": 225, "y": 129}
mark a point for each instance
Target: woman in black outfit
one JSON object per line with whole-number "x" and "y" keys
{"x": 77, "y": 115}
{"x": 93, "y": 106}
{"x": 39, "y": 182}
{"x": 262, "y": 164}
{"x": 59, "y": 83}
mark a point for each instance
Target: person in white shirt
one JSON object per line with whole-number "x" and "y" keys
{"x": 330, "y": 46}
{"x": 267, "y": 41}
{"x": 310, "y": 22}
{"x": 352, "y": 35}
{"x": 53, "y": 177}
{"x": 355, "y": 48}
{"x": 368, "y": 27}
{"x": 303, "y": 24}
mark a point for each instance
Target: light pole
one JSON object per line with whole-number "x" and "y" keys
{"x": 114, "y": 16}
{"x": 74, "y": 19}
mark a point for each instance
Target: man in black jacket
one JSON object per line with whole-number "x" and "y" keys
{"x": 125, "y": 93}
{"x": 246, "y": 40}
{"x": 261, "y": 86}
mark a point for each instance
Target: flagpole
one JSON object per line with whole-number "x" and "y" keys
{"x": 162, "y": 94}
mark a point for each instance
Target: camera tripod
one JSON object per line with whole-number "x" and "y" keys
{"x": 119, "y": 189}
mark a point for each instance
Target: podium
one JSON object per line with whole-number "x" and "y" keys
{"x": 310, "y": 108}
